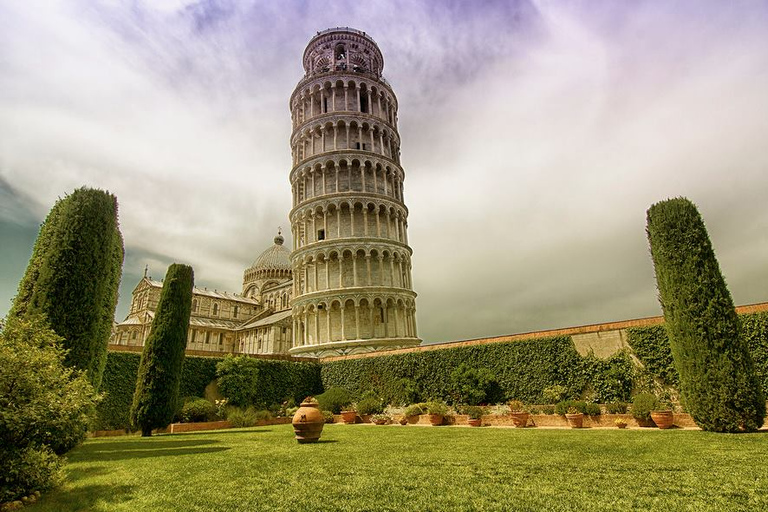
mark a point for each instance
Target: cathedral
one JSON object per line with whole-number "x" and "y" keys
{"x": 345, "y": 286}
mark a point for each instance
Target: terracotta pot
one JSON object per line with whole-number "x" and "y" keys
{"x": 520, "y": 419}
{"x": 663, "y": 419}
{"x": 575, "y": 420}
{"x": 413, "y": 419}
{"x": 474, "y": 423}
{"x": 621, "y": 425}
{"x": 403, "y": 420}
{"x": 380, "y": 422}
{"x": 308, "y": 423}
{"x": 435, "y": 419}
{"x": 349, "y": 417}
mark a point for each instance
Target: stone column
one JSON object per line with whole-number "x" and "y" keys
{"x": 327, "y": 274}
{"x": 317, "y": 326}
{"x": 357, "y": 321}
{"x": 368, "y": 268}
{"x": 328, "y": 322}
{"x": 343, "y": 335}
{"x": 354, "y": 269}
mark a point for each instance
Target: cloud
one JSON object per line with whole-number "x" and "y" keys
{"x": 534, "y": 137}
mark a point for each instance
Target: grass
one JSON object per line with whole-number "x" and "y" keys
{"x": 365, "y": 467}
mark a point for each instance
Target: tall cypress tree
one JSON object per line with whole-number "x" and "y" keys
{"x": 717, "y": 378}
{"x": 157, "y": 384}
{"x": 73, "y": 277}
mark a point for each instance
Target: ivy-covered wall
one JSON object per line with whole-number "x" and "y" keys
{"x": 119, "y": 383}
{"x": 523, "y": 369}
{"x": 651, "y": 346}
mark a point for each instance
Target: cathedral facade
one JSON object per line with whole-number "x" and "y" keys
{"x": 345, "y": 287}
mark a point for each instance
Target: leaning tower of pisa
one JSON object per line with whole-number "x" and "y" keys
{"x": 351, "y": 260}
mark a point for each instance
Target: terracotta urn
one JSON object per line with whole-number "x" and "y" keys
{"x": 520, "y": 419}
{"x": 474, "y": 422}
{"x": 663, "y": 419}
{"x": 308, "y": 422}
{"x": 575, "y": 420}
{"x": 435, "y": 419}
{"x": 349, "y": 417}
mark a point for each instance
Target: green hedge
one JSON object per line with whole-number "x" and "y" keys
{"x": 120, "y": 381}
{"x": 281, "y": 379}
{"x": 247, "y": 381}
{"x": 523, "y": 369}
{"x": 651, "y": 346}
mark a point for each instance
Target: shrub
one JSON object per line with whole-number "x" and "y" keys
{"x": 370, "y": 405}
{"x": 616, "y": 408}
{"x": 197, "y": 409}
{"x": 44, "y": 407}
{"x": 548, "y": 409}
{"x": 474, "y": 412}
{"x": 73, "y": 276}
{"x": 592, "y": 409}
{"x": 717, "y": 377}
{"x": 157, "y": 383}
{"x": 262, "y": 383}
{"x": 335, "y": 400}
{"x": 554, "y": 394}
{"x": 403, "y": 392}
{"x": 643, "y": 404}
{"x": 472, "y": 385}
{"x": 27, "y": 470}
{"x": 435, "y": 407}
{"x": 563, "y": 407}
{"x": 415, "y": 409}
{"x": 241, "y": 418}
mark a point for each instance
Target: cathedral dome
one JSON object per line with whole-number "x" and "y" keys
{"x": 274, "y": 262}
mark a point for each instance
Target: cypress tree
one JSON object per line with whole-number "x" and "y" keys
{"x": 73, "y": 277}
{"x": 717, "y": 378}
{"x": 157, "y": 384}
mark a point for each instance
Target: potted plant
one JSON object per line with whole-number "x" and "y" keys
{"x": 437, "y": 412}
{"x": 642, "y": 405}
{"x": 620, "y": 423}
{"x": 518, "y": 413}
{"x": 574, "y": 417}
{"x": 412, "y": 413}
{"x": 349, "y": 416}
{"x": 662, "y": 415}
{"x": 475, "y": 414}
{"x": 380, "y": 419}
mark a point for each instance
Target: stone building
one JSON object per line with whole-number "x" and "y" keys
{"x": 346, "y": 286}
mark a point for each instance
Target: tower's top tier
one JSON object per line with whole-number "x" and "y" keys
{"x": 344, "y": 50}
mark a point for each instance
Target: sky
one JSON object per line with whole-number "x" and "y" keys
{"x": 535, "y": 135}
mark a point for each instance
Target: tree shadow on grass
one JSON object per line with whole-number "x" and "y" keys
{"x": 218, "y": 433}
{"x": 144, "y": 448}
{"x": 88, "y": 497}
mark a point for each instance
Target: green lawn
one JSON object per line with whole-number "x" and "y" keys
{"x": 365, "y": 467}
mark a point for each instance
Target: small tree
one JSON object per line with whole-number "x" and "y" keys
{"x": 157, "y": 385}
{"x": 473, "y": 386}
{"x": 717, "y": 379}
{"x": 73, "y": 277}
{"x": 44, "y": 407}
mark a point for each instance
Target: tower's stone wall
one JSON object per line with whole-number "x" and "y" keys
{"x": 352, "y": 287}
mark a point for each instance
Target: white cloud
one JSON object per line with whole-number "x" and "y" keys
{"x": 535, "y": 136}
